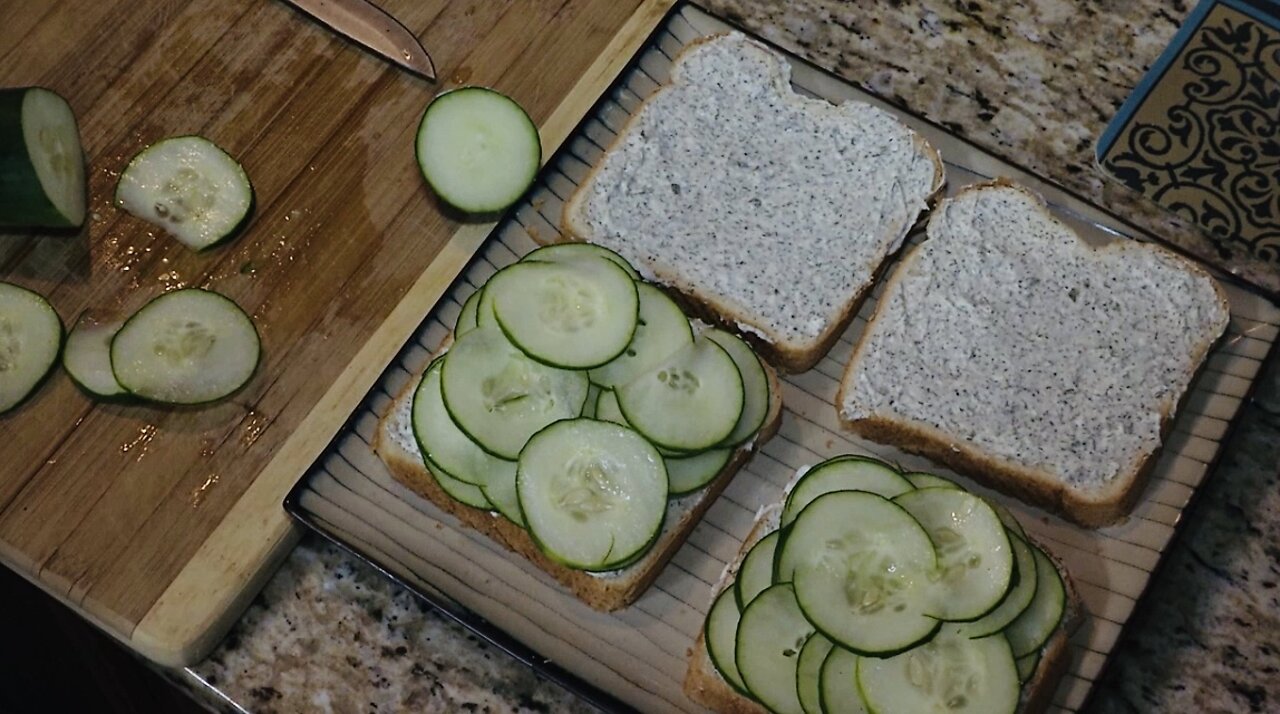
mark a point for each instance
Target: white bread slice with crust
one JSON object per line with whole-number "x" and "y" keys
{"x": 703, "y": 683}
{"x": 1007, "y": 348}
{"x": 396, "y": 446}
{"x": 770, "y": 213}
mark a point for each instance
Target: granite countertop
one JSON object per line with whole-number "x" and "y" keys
{"x": 1035, "y": 82}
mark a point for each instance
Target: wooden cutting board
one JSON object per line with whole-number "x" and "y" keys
{"x": 159, "y": 524}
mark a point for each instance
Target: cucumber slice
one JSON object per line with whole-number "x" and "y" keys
{"x": 500, "y": 489}
{"x": 924, "y": 480}
{"x": 447, "y": 446}
{"x": 500, "y": 397}
{"x": 661, "y": 331}
{"x": 1008, "y": 519}
{"x": 467, "y": 318}
{"x": 770, "y": 635}
{"x": 1019, "y": 597}
{"x": 756, "y": 574}
{"x": 30, "y": 339}
{"x": 575, "y": 251}
{"x": 607, "y": 410}
{"x": 189, "y": 187}
{"x": 589, "y": 408}
{"x": 594, "y": 494}
{"x": 186, "y": 347}
{"x": 838, "y": 683}
{"x": 861, "y": 567}
{"x": 1033, "y": 628}
{"x": 461, "y": 491}
{"x": 478, "y": 149}
{"x": 690, "y": 473}
{"x": 42, "y": 177}
{"x": 87, "y": 357}
{"x": 568, "y": 315}
{"x": 755, "y": 382}
{"x": 844, "y": 473}
{"x": 721, "y": 637}
{"x": 809, "y": 672}
{"x": 485, "y": 317}
{"x": 951, "y": 673}
{"x": 975, "y": 560}
{"x": 1027, "y": 666}
{"x": 690, "y": 401}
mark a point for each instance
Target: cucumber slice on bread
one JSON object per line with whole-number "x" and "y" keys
{"x": 951, "y": 673}
{"x": 42, "y": 176}
{"x": 30, "y": 339}
{"x": 690, "y": 401}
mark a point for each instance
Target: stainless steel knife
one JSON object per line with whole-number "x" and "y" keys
{"x": 371, "y": 26}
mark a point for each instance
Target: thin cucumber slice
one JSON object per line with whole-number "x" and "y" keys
{"x": 189, "y": 187}
{"x": 30, "y": 338}
{"x": 770, "y": 635}
{"x": 478, "y": 149}
{"x": 809, "y": 672}
{"x": 924, "y": 480}
{"x": 568, "y": 315}
{"x": 42, "y": 177}
{"x": 951, "y": 673}
{"x": 975, "y": 560}
{"x": 1033, "y": 628}
{"x": 756, "y": 574}
{"x": 607, "y": 410}
{"x": 186, "y": 347}
{"x": 467, "y": 318}
{"x": 460, "y": 491}
{"x": 500, "y": 397}
{"x": 690, "y": 473}
{"x": 500, "y": 489}
{"x": 1027, "y": 665}
{"x": 861, "y": 567}
{"x": 755, "y": 383}
{"x": 1008, "y": 519}
{"x": 845, "y": 473}
{"x": 721, "y": 637}
{"x": 574, "y": 251}
{"x": 447, "y": 446}
{"x": 594, "y": 494}
{"x": 661, "y": 331}
{"x": 690, "y": 401}
{"x": 485, "y": 317}
{"x": 87, "y": 357}
{"x": 589, "y": 408}
{"x": 1019, "y": 597}
{"x": 838, "y": 683}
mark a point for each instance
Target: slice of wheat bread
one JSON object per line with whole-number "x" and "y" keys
{"x": 770, "y": 212}
{"x": 1008, "y": 348}
{"x": 396, "y": 445}
{"x": 703, "y": 683}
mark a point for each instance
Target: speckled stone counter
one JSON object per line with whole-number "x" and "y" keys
{"x": 1033, "y": 81}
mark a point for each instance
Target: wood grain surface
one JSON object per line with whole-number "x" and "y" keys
{"x": 170, "y": 517}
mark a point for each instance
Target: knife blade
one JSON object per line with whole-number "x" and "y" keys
{"x": 371, "y": 26}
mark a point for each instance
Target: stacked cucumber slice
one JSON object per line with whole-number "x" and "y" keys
{"x": 576, "y": 399}
{"x": 885, "y": 592}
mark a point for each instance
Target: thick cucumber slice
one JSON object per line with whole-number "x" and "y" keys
{"x": 500, "y": 397}
{"x": 1036, "y": 624}
{"x": 607, "y": 410}
{"x": 861, "y": 567}
{"x": 1019, "y": 597}
{"x": 770, "y": 635}
{"x": 924, "y": 480}
{"x": 447, "y": 446}
{"x": 690, "y": 401}
{"x": 690, "y": 473}
{"x": 42, "y": 180}
{"x": 951, "y": 673}
{"x": 1027, "y": 666}
{"x": 756, "y": 574}
{"x": 845, "y": 473}
{"x": 87, "y": 357}
{"x": 593, "y": 493}
{"x": 190, "y": 187}
{"x": 661, "y": 331}
{"x": 478, "y": 150}
{"x": 755, "y": 383}
{"x": 186, "y": 347}
{"x": 467, "y": 318}
{"x": 838, "y": 683}
{"x": 975, "y": 560}
{"x": 569, "y": 315}
{"x": 461, "y": 491}
{"x": 574, "y": 251}
{"x": 809, "y": 672}
{"x": 721, "y": 637}
{"x": 30, "y": 338}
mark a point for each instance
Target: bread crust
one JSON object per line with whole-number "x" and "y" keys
{"x": 788, "y": 358}
{"x": 601, "y": 593}
{"x": 1093, "y": 508}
